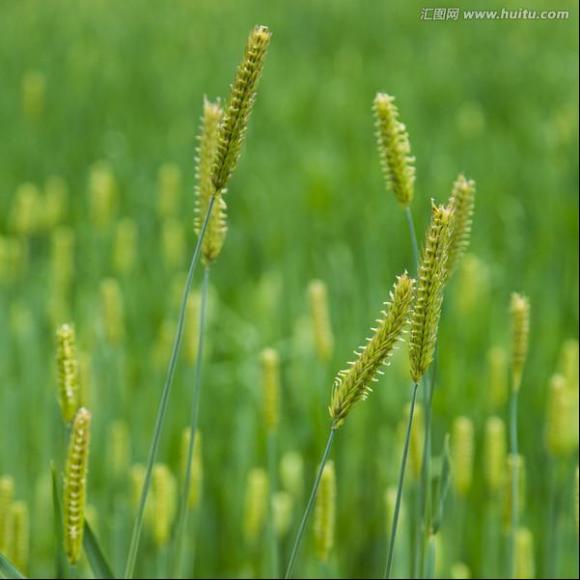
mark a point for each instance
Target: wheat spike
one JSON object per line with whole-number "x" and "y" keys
{"x": 561, "y": 430}
{"x": 6, "y": 497}
{"x": 430, "y": 287}
{"x": 256, "y": 505}
{"x": 495, "y": 451}
{"x": 206, "y": 155}
{"x": 354, "y": 384}
{"x": 75, "y": 485}
{"x": 394, "y": 149}
{"x": 524, "y": 554}
{"x": 68, "y": 371}
{"x": 242, "y": 97}
{"x": 462, "y": 202}
{"x": 520, "y": 311}
{"x": 271, "y": 387}
{"x": 462, "y": 454}
{"x": 323, "y": 338}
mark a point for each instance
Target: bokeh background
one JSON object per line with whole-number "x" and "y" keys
{"x": 118, "y": 87}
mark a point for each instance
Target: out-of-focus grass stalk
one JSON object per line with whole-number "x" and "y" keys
{"x": 162, "y": 409}
{"x": 183, "y": 499}
{"x": 515, "y": 476}
{"x": 393, "y": 533}
{"x": 272, "y": 469}
{"x": 310, "y": 504}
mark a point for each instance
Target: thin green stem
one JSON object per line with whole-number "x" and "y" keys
{"x": 413, "y": 236}
{"x": 395, "y": 523}
{"x": 515, "y": 476}
{"x": 162, "y": 409}
{"x": 310, "y": 504}
{"x": 183, "y": 501}
{"x": 272, "y": 463}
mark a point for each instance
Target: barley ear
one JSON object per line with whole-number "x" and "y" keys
{"x": 206, "y": 156}
{"x": 524, "y": 554}
{"x": 243, "y": 94}
{"x": 520, "y": 312}
{"x": 394, "y": 149}
{"x": 354, "y": 384}
{"x": 75, "y": 485}
{"x": 325, "y": 513}
{"x": 323, "y": 338}
{"x": 462, "y": 202}
{"x": 430, "y": 288}
{"x": 68, "y": 371}
{"x": 495, "y": 453}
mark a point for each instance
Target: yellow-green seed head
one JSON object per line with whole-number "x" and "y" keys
{"x": 103, "y": 194}
{"x": 163, "y": 496}
{"x": 462, "y": 454}
{"x": 68, "y": 371}
{"x": 292, "y": 474}
{"x": 495, "y": 453}
{"x": 113, "y": 315}
{"x": 196, "y": 481}
{"x": 241, "y": 101}
{"x": 119, "y": 449}
{"x": 256, "y": 504}
{"x": 520, "y": 312}
{"x": 26, "y": 211}
{"x": 460, "y": 571}
{"x": 394, "y": 149}
{"x": 524, "y": 560}
{"x": 319, "y": 311}
{"x": 85, "y": 379}
{"x": 75, "y": 485}
{"x": 282, "y": 509}
{"x": 462, "y": 202}
{"x": 137, "y": 479}
{"x": 569, "y": 363}
{"x": 206, "y": 157}
{"x": 19, "y": 535}
{"x": 33, "y": 94}
{"x": 173, "y": 243}
{"x": 473, "y": 285}
{"x": 498, "y": 381}
{"x": 325, "y": 513}
{"x": 430, "y": 288}
{"x": 354, "y": 384}
{"x": 62, "y": 257}
{"x": 169, "y": 182}
{"x": 6, "y": 498}
{"x": 125, "y": 246}
{"x": 561, "y": 426}
{"x": 55, "y": 201}
{"x": 271, "y": 388}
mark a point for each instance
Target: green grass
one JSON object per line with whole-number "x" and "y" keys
{"x": 124, "y": 83}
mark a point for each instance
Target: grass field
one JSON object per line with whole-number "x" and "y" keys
{"x": 103, "y": 90}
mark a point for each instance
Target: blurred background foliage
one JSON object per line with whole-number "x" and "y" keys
{"x": 121, "y": 84}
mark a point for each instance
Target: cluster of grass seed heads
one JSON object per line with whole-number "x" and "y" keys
{"x": 206, "y": 155}
{"x": 462, "y": 202}
{"x": 520, "y": 312}
{"x": 394, "y": 149}
{"x": 430, "y": 287}
{"x": 354, "y": 384}
{"x": 75, "y": 485}
{"x": 242, "y": 97}
{"x": 68, "y": 371}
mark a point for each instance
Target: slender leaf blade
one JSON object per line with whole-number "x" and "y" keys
{"x": 8, "y": 569}
{"x": 95, "y": 556}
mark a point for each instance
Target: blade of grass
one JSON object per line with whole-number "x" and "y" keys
{"x": 395, "y": 523}
{"x": 8, "y": 569}
{"x": 62, "y": 570}
{"x": 443, "y": 486}
{"x": 97, "y": 561}
{"x": 183, "y": 500}
{"x": 162, "y": 409}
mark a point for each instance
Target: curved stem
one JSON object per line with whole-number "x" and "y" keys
{"x": 309, "y": 505}
{"x": 162, "y": 409}
{"x": 395, "y": 523}
{"x": 183, "y": 509}
{"x": 515, "y": 475}
{"x": 413, "y": 236}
